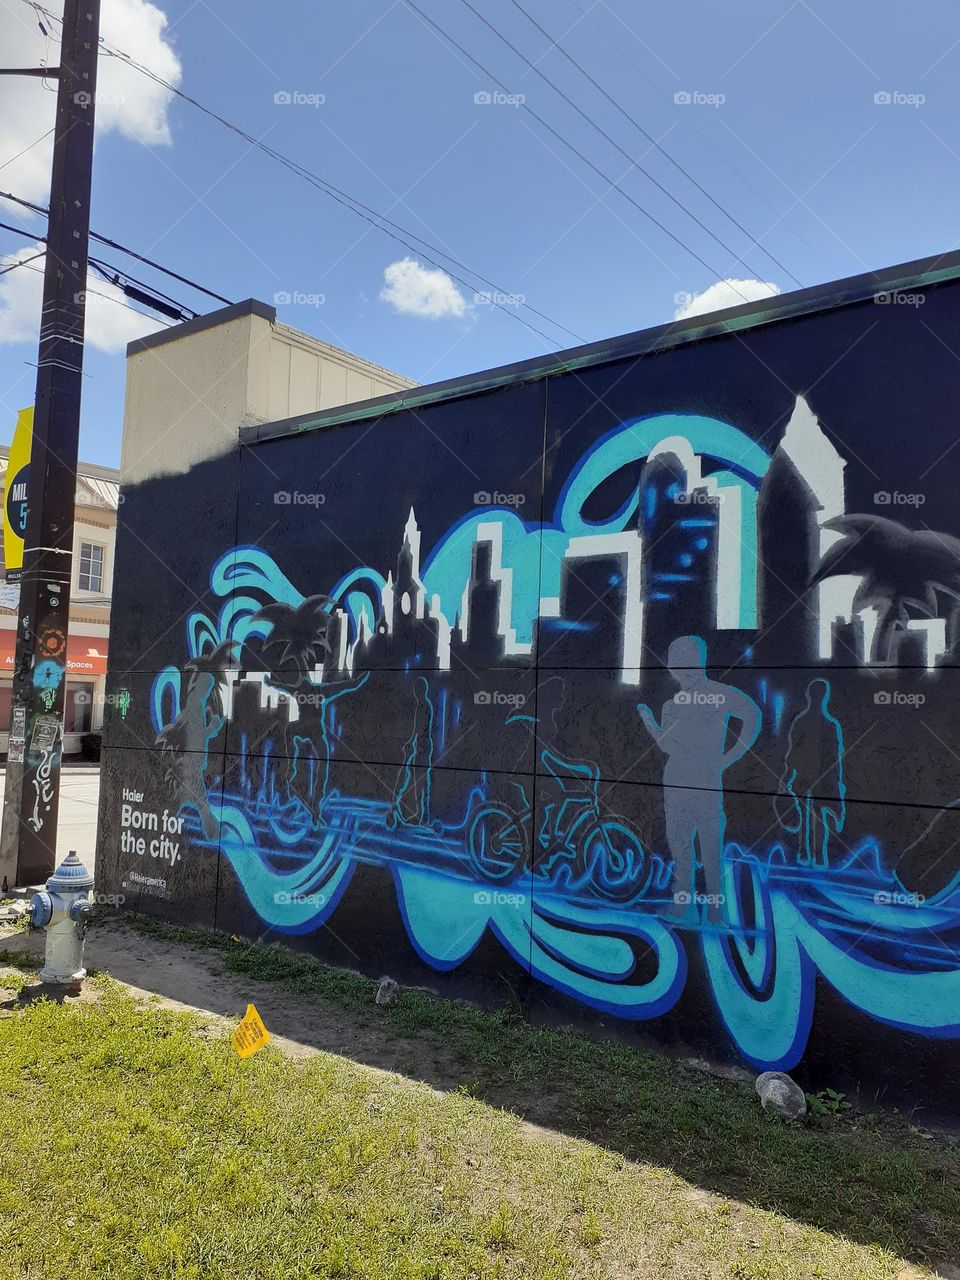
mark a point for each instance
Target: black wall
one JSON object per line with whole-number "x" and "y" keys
{"x": 632, "y": 690}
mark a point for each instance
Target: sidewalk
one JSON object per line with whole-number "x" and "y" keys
{"x": 79, "y": 800}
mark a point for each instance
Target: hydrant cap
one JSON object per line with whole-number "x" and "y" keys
{"x": 41, "y": 909}
{"x": 70, "y": 877}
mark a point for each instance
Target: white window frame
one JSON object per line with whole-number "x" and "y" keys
{"x": 101, "y": 547}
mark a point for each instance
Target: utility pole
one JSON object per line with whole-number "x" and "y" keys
{"x": 28, "y": 837}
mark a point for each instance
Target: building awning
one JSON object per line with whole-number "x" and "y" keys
{"x": 86, "y": 655}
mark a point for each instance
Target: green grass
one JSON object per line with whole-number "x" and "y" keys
{"x": 11, "y": 982}
{"x": 871, "y": 1176}
{"x": 20, "y": 925}
{"x": 178, "y": 1159}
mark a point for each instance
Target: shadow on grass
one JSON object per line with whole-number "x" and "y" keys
{"x": 40, "y": 991}
{"x": 870, "y": 1176}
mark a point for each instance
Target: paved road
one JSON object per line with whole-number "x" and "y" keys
{"x": 79, "y": 797}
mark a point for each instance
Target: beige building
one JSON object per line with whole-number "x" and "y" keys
{"x": 192, "y": 386}
{"x": 94, "y": 535}
{"x": 189, "y": 389}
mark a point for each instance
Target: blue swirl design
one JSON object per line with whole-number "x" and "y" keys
{"x": 851, "y": 925}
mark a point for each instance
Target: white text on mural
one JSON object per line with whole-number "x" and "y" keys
{"x": 159, "y": 829}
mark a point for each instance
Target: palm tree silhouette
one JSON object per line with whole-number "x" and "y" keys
{"x": 214, "y": 663}
{"x": 900, "y": 569}
{"x": 298, "y": 633}
{"x": 291, "y": 650}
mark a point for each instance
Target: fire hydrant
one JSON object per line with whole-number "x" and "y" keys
{"x": 62, "y": 909}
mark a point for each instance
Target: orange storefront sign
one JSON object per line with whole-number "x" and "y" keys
{"x": 86, "y": 655}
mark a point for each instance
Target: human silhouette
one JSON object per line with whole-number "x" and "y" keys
{"x": 693, "y": 733}
{"x": 812, "y": 802}
{"x": 411, "y": 794}
{"x": 185, "y": 746}
{"x": 313, "y": 749}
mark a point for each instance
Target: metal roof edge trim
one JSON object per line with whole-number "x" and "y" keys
{"x": 922, "y": 273}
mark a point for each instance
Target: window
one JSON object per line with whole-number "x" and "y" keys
{"x": 91, "y": 567}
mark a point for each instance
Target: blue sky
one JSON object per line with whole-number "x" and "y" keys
{"x": 783, "y": 131}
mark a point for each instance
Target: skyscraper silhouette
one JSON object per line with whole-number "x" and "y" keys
{"x": 476, "y": 642}
{"x": 679, "y": 555}
{"x": 789, "y": 540}
{"x": 405, "y": 634}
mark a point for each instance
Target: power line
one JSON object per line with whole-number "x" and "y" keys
{"x": 104, "y": 268}
{"x": 687, "y": 119}
{"x": 604, "y": 134}
{"x": 113, "y": 244}
{"x": 174, "y": 275}
{"x": 26, "y": 149}
{"x": 22, "y": 263}
{"x": 26, "y": 204}
{"x": 175, "y": 310}
{"x": 19, "y": 231}
{"x": 109, "y": 297}
{"x": 611, "y": 182}
{"x": 398, "y": 233}
{"x": 636, "y": 124}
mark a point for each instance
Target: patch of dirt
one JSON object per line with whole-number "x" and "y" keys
{"x": 181, "y": 977}
{"x": 175, "y": 976}
{"x": 186, "y": 978}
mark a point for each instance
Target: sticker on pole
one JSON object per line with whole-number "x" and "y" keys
{"x": 251, "y": 1034}
{"x": 46, "y": 731}
{"x": 18, "y": 735}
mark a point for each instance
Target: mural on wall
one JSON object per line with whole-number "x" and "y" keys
{"x": 722, "y": 565}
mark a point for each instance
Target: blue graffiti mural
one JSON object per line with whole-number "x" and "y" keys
{"x": 604, "y": 906}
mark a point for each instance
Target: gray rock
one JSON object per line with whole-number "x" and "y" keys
{"x": 388, "y": 991}
{"x": 781, "y": 1095}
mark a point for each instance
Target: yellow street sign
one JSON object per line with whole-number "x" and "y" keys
{"x": 15, "y": 495}
{"x": 251, "y": 1034}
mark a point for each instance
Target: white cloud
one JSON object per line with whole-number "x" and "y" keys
{"x": 724, "y": 293}
{"x": 109, "y": 326}
{"x": 127, "y": 101}
{"x": 416, "y": 290}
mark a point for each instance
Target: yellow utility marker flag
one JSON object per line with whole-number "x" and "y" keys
{"x": 251, "y": 1034}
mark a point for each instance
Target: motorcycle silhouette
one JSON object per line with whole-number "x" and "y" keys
{"x": 602, "y": 853}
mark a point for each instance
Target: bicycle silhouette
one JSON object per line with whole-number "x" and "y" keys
{"x": 602, "y": 853}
